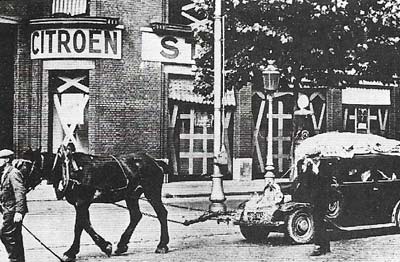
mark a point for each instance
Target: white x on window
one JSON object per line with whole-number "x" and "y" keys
{"x": 70, "y": 106}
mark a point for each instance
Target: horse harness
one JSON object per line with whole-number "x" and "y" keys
{"x": 69, "y": 180}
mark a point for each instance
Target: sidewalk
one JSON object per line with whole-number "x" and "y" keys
{"x": 203, "y": 188}
{"x": 175, "y": 189}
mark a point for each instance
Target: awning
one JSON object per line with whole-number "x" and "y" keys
{"x": 182, "y": 90}
{"x": 366, "y": 96}
{"x": 9, "y": 20}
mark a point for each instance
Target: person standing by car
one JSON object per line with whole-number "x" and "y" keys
{"x": 13, "y": 207}
{"x": 319, "y": 189}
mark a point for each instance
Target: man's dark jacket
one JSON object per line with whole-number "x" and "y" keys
{"x": 12, "y": 192}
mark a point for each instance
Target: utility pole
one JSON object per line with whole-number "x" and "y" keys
{"x": 217, "y": 196}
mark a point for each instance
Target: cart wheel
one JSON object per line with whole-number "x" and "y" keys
{"x": 300, "y": 226}
{"x": 254, "y": 233}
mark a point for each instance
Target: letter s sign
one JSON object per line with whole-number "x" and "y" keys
{"x": 173, "y": 50}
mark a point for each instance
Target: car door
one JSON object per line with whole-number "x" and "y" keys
{"x": 387, "y": 190}
{"x": 359, "y": 197}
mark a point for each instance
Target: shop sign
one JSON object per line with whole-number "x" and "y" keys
{"x": 166, "y": 48}
{"x": 76, "y": 43}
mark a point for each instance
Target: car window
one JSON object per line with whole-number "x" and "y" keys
{"x": 365, "y": 175}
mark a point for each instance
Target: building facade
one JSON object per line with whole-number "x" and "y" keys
{"x": 116, "y": 76}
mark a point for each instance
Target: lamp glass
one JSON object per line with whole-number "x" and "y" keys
{"x": 271, "y": 77}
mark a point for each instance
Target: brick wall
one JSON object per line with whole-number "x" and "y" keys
{"x": 334, "y": 114}
{"x": 126, "y": 95}
{"x": 126, "y": 103}
{"x": 243, "y": 125}
{"x": 23, "y": 110}
{"x": 394, "y": 113}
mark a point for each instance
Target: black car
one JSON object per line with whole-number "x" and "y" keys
{"x": 365, "y": 195}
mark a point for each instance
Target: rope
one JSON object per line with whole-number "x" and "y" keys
{"x": 177, "y": 206}
{"x": 206, "y": 216}
{"x": 40, "y": 242}
{"x": 150, "y": 215}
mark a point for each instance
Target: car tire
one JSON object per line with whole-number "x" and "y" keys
{"x": 300, "y": 226}
{"x": 254, "y": 233}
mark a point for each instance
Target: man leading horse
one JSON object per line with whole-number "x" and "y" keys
{"x": 13, "y": 207}
{"x": 105, "y": 179}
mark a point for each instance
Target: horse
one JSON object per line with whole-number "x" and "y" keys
{"x": 83, "y": 179}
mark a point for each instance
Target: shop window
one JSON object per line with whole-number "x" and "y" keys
{"x": 69, "y": 93}
{"x": 365, "y": 119}
{"x": 195, "y": 141}
{"x": 70, "y": 7}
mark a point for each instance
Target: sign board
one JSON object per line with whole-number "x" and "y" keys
{"x": 166, "y": 48}
{"x": 76, "y": 43}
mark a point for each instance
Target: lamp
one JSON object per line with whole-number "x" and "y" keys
{"x": 271, "y": 77}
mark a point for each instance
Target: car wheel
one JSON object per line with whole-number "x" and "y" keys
{"x": 254, "y": 233}
{"x": 300, "y": 226}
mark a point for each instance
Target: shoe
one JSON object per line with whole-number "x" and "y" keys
{"x": 318, "y": 251}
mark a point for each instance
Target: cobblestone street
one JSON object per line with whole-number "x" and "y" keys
{"x": 52, "y": 222}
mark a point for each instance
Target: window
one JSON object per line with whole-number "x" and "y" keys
{"x": 70, "y": 7}
{"x": 367, "y": 119}
{"x": 182, "y": 12}
{"x": 69, "y": 106}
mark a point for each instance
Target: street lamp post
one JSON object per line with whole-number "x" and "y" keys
{"x": 217, "y": 196}
{"x": 271, "y": 77}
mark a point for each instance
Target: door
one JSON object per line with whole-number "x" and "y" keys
{"x": 196, "y": 139}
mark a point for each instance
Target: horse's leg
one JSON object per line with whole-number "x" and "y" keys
{"x": 70, "y": 254}
{"x": 104, "y": 245}
{"x": 154, "y": 198}
{"x": 135, "y": 216}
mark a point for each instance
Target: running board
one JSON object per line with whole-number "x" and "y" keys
{"x": 366, "y": 227}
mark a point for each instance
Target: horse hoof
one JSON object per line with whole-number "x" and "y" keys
{"x": 162, "y": 250}
{"x": 108, "y": 249}
{"x": 66, "y": 258}
{"x": 121, "y": 250}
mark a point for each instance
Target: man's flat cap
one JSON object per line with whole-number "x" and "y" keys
{"x": 6, "y": 153}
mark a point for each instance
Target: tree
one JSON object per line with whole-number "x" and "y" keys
{"x": 327, "y": 42}
{"x": 323, "y": 41}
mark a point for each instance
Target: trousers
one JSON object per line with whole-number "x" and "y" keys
{"x": 11, "y": 236}
{"x": 321, "y": 235}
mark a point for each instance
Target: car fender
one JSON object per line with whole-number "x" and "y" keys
{"x": 289, "y": 207}
{"x": 292, "y": 206}
{"x": 396, "y": 207}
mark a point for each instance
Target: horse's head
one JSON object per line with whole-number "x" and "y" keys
{"x": 30, "y": 166}
{"x": 37, "y": 166}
